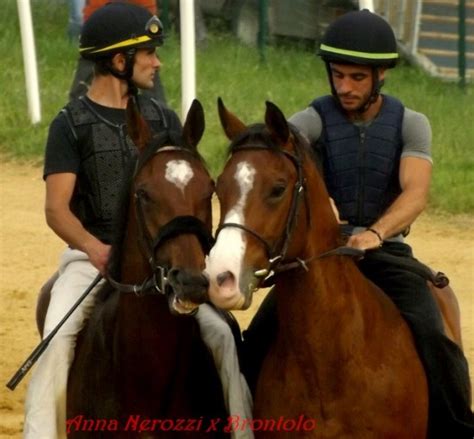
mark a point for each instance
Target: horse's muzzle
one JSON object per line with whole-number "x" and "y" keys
{"x": 189, "y": 289}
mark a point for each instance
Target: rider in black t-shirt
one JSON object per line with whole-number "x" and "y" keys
{"x": 87, "y": 156}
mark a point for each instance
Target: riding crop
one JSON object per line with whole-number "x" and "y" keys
{"x": 31, "y": 360}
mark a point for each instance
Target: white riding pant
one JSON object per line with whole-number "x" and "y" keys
{"x": 218, "y": 337}
{"x": 45, "y": 404}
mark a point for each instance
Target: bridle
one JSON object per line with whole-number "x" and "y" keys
{"x": 157, "y": 281}
{"x": 276, "y": 254}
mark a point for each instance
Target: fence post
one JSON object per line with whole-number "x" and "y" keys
{"x": 188, "y": 55}
{"x": 462, "y": 43}
{"x": 366, "y": 4}
{"x": 262, "y": 27}
{"x": 29, "y": 60}
{"x": 416, "y": 27}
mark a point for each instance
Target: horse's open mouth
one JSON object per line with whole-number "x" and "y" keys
{"x": 183, "y": 306}
{"x": 186, "y": 290}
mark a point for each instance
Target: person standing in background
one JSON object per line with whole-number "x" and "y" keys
{"x": 75, "y": 19}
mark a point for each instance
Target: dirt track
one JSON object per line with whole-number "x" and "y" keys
{"x": 29, "y": 252}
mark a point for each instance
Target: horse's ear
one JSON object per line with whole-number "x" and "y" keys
{"x": 137, "y": 126}
{"x": 232, "y": 125}
{"x": 194, "y": 125}
{"x": 276, "y": 124}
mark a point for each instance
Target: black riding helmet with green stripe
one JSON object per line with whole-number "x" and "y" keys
{"x": 362, "y": 38}
{"x": 119, "y": 28}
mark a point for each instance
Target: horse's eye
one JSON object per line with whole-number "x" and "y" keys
{"x": 277, "y": 191}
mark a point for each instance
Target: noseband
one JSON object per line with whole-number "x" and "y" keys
{"x": 180, "y": 225}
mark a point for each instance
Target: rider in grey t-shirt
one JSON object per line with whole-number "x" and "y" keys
{"x": 375, "y": 157}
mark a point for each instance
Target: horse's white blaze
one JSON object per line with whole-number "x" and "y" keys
{"x": 179, "y": 172}
{"x": 229, "y": 249}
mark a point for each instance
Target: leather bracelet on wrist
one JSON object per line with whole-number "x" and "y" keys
{"x": 370, "y": 229}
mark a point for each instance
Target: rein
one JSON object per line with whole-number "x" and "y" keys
{"x": 157, "y": 281}
{"x": 269, "y": 275}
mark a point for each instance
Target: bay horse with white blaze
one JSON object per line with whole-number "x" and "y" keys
{"x": 342, "y": 356}
{"x": 139, "y": 369}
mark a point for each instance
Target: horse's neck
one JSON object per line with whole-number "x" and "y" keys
{"x": 323, "y": 229}
{"x": 330, "y": 292}
{"x": 332, "y": 297}
{"x": 327, "y": 319}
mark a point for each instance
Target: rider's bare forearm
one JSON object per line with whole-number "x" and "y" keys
{"x": 68, "y": 227}
{"x": 415, "y": 178}
{"x": 401, "y": 214}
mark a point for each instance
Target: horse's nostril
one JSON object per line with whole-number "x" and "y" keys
{"x": 173, "y": 275}
{"x": 184, "y": 278}
{"x": 224, "y": 277}
{"x": 173, "y": 271}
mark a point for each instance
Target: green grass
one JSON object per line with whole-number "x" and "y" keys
{"x": 291, "y": 77}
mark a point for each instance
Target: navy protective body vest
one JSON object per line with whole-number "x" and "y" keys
{"x": 106, "y": 153}
{"x": 361, "y": 164}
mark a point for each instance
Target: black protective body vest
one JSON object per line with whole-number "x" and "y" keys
{"x": 106, "y": 153}
{"x": 361, "y": 164}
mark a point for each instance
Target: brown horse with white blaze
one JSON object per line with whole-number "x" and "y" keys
{"x": 343, "y": 356}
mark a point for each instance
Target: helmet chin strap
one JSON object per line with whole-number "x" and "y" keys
{"x": 127, "y": 73}
{"x": 375, "y": 93}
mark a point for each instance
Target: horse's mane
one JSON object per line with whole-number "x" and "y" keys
{"x": 120, "y": 220}
{"x": 158, "y": 141}
{"x": 256, "y": 135}
{"x": 304, "y": 146}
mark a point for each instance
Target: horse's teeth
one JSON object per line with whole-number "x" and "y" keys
{"x": 183, "y": 305}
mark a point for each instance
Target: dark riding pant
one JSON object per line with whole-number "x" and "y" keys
{"x": 445, "y": 365}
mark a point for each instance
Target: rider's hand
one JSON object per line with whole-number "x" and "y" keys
{"x": 366, "y": 240}
{"x": 99, "y": 254}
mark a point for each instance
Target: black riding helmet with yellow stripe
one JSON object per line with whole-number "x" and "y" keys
{"x": 363, "y": 38}
{"x": 119, "y": 28}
